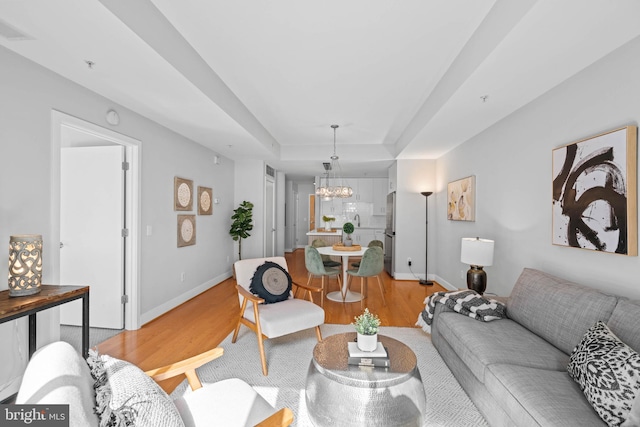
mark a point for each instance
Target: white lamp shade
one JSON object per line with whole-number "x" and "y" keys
{"x": 477, "y": 251}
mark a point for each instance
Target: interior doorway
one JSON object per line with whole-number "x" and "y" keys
{"x": 69, "y": 131}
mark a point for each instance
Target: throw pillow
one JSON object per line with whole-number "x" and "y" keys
{"x": 633, "y": 419}
{"x": 608, "y": 372}
{"x": 126, "y": 396}
{"x": 271, "y": 282}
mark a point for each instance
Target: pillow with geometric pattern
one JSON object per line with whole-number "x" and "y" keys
{"x": 608, "y": 372}
{"x": 271, "y": 282}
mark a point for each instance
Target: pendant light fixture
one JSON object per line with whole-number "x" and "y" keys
{"x": 340, "y": 188}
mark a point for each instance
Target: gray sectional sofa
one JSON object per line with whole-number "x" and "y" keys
{"x": 515, "y": 369}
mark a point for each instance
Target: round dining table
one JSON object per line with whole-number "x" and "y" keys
{"x": 344, "y": 295}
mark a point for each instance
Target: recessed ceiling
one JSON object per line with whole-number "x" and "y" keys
{"x": 267, "y": 79}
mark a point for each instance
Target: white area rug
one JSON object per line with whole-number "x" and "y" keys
{"x": 288, "y": 361}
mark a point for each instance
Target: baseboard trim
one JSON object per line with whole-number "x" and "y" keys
{"x": 173, "y": 303}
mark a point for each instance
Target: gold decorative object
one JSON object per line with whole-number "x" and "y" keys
{"x": 183, "y": 194}
{"x": 25, "y": 264}
{"x": 205, "y": 201}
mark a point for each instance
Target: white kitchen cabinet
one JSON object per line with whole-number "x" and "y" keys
{"x": 364, "y": 190}
{"x": 379, "y": 196}
{"x": 362, "y": 236}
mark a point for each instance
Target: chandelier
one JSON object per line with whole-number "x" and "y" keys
{"x": 333, "y": 172}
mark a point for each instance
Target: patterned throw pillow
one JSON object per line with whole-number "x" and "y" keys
{"x": 271, "y": 282}
{"x": 608, "y": 372}
{"x": 126, "y": 396}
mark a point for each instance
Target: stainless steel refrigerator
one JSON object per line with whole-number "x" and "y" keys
{"x": 390, "y": 235}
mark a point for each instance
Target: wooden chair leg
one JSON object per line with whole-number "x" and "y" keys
{"x": 235, "y": 333}
{"x": 362, "y": 289}
{"x": 263, "y": 358}
{"x": 318, "y": 334}
{"x": 324, "y": 279}
{"x": 381, "y": 286}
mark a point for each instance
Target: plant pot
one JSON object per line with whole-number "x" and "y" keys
{"x": 367, "y": 342}
{"x": 348, "y": 242}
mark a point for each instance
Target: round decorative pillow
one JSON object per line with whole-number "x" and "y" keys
{"x": 271, "y": 282}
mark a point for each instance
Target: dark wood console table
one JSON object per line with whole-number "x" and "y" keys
{"x": 49, "y": 296}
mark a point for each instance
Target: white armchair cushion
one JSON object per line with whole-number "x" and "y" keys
{"x": 57, "y": 374}
{"x": 286, "y": 317}
{"x": 228, "y": 403}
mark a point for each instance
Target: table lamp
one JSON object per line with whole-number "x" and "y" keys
{"x": 477, "y": 253}
{"x": 25, "y": 264}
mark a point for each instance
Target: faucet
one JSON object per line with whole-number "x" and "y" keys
{"x": 357, "y": 216}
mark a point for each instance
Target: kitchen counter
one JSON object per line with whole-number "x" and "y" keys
{"x": 321, "y": 232}
{"x": 329, "y": 237}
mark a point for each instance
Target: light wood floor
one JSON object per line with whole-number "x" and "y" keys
{"x": 201, "y": 323}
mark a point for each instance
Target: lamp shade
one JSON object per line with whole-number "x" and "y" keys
{"x": 477, "y": 251}
{"x": 25, "y": 264}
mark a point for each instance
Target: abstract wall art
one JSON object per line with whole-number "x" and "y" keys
{"x": 595, "y": 193}
{"x": 461, "y": 199}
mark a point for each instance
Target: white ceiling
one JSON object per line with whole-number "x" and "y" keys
{"x": 266, "y": 79}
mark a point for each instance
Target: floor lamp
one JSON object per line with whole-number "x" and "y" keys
{"x": 426, "y": 280}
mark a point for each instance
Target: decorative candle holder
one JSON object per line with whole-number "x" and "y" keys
{"x": 25, "y": 264}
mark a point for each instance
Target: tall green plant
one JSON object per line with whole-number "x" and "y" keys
{"x": 242, "y": 223}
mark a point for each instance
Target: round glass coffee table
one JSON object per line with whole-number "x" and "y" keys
{"x": 347, "y": 395}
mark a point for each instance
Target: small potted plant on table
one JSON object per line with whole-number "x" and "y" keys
{"x": 327, "y": 220}
{"x": 348, "y": 228}
{"x": 367, "y": 325}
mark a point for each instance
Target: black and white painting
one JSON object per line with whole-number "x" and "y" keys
{"x": 594, "y": 193}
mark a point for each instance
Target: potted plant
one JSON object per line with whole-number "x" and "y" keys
{"x": 367, "y": 325}
{"x": 242, "y": 223}
{"x": 327, "y": 220}
{"x": 348, "y": 228}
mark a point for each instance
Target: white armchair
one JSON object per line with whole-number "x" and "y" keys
{"x": 57, "y": 374}
{"x": 277, "y": 319}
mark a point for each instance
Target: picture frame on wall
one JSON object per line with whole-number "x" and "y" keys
{"x": 594, "y": 198}
{"x": 186, "y": 230}
{"x": 461, "y": 199}
{"x": 205, "y": 201}
{"x": 182, "y": 194}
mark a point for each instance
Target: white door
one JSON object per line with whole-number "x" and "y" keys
{"x": 270, "y": 218}
{"x": 91, "y": 224}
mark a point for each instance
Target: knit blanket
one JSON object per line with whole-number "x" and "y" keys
{"x": 466, "y": 302}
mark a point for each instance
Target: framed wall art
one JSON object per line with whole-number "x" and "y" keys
{"x": 186, "y": 230}
{"x": 182, "y": 194}
{"x": 461, "y": 199}
{"x": 205, "y": 201}
{"x": 595, "y": 193}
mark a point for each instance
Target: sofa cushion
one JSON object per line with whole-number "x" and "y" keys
{"x": 608, "y": 372}
{"x": 540, "y": 397}
{"x": 555, "y": 309}
{"x": 501, "y": 341}
{"x": 126, "y": 396}
{"x": 57, "y": 374}
{"x": 624, "y": 322}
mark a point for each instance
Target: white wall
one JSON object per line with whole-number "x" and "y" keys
{"x": 302, "y": 225}
{"x": 249, "y": 186}
{"x": 413, "y": 177}
{"x": 512, "y": 164}
{"x": 29, "y": 93}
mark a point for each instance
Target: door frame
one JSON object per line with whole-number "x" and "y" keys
{"x": 133, "y": 147}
